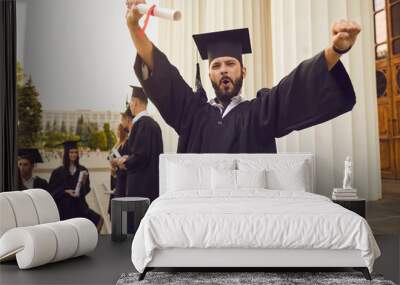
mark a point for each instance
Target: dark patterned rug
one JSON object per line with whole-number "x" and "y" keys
{"x": 242, "y": 278}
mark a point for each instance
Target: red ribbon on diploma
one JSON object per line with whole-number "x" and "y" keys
{"x": 149, "y": 13}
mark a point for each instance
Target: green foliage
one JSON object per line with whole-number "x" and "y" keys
{"x": 29, "y": 122}
{"x": 47, "y": 128}
{"x": 79, "y": 126}
{"x": 20, "y": 76}
{"x": 53, "y": 139}
{"x": 55, "y": 126}
{"x": 110, "y": 136}
{"x": 98, "y": 139}
{"x": 63, "y": 127}
{"x": 88, "y": 129}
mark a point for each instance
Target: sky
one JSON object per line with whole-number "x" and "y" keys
{"x": 78, "y": 52}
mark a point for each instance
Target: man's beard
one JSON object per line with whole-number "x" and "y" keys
{"x": 225, "y": 97}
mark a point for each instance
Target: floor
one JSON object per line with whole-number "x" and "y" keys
{"x": 102, "y": 266}
{"x": 110, "y": 260}
{"x": 384, "y": 215}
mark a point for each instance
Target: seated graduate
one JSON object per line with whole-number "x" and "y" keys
{"x": 318, "y": 90}
{"x": 144, "y": 148}
{"x": 63, "y": 186}
{"x": 27, "y": 157}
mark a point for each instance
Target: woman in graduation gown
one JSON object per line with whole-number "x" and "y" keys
{"x": 62, "y": 186}
{"x": 121, "y": 147}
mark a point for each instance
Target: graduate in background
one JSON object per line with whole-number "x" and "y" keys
{"x": 63, "y": 182}
{"x": 124, "y": 128}
{"x": 27, "y": 157}
{"x": 144, "y": 148}
{"x": 318, "y": 90}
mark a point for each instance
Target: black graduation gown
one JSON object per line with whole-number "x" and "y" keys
{"x": 309, "y": 95}
{"x": 71, "y": 207}
{"x": 120, "y": 184}
{"x": 39, "y": 183}
{"x": 144, "y": 148}
{"x": 112, "y": 186}
{"x": 120, "y": 180}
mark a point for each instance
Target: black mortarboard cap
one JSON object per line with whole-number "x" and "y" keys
{"x": 31, "y": 154}
{"x": 231, "y": 43}
{"x": 73, "y": 144}
{"x": 199, "y": 86}
{"x": 138, "y": 92}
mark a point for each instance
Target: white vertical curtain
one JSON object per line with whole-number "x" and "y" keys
{"x": 300, "y": 29}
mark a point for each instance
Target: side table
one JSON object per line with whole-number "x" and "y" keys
{"x": 119, "y": 208}
{"x": 356, "y": 205}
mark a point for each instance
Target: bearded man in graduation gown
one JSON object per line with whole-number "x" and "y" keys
{"x": 27, "y": 157}
{"x": 316, "y": 91}
{"x": 144, "y": 148}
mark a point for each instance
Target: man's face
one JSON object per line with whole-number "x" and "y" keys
{"x": 132, "y": 105}
{"x": 226, "y": 74}
{"x": 25, "y": 167}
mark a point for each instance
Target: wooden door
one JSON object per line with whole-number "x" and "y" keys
{"x": 387, "y": 58}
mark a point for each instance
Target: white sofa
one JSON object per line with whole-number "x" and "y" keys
{"x": 31, "y": 230}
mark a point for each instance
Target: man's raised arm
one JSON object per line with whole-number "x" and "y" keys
{"x": 143, "y": 45}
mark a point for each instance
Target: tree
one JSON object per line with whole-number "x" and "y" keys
{"x": 29, "y": 122}
{"x": 97, "y": 140}
{"x": 63, "y": 127}
{"x": 47, "y": 128}
{"x": 79, "y": 126}
{"x": 20, "y": 76}
{"x": 55, "y": 126}
{"x": 88, "y": 129}
{"x": 110, "y": 136}
{"x": 71, "y": 130}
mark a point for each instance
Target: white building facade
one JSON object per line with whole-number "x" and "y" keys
{"x": 70, "y": 118}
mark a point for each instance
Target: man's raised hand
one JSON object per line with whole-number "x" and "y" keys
{"x": 132, "y": 13}
{"x": 344, "y": 34}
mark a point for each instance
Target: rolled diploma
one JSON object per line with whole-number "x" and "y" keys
{"x": 164, "y": 13}
{"x": 116, "y": 153}
{"x": 82, "y": 174}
